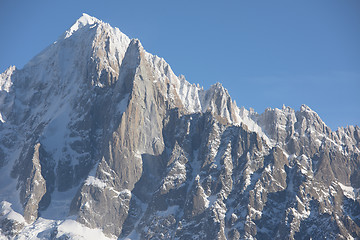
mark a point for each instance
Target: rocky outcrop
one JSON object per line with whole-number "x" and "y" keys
{"x": 34, "y": 188}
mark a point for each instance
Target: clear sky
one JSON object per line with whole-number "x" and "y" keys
{"x": 265, "y": 52}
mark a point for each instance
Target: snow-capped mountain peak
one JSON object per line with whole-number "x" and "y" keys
{"x": 84, "y": 20}
{"x": 99, "y": 137}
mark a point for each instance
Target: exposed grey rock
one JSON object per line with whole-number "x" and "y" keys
{"x": 34, "y": 187}
{"x": 10, "y": 228}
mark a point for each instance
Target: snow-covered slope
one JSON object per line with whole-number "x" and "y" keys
{"x": 100, "y": 139}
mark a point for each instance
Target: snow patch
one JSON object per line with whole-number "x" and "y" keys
{"x": 77, "y": 231}
{"x": 1, "y": 118}
{"x": 84, "y": 20}
{"x": 210, "y": 201}
{"x": 350, "y": 192}
{"x": 170, "y": 211}
{"x": 9, "y": 213}
{"x": 5, "y": 79}
{"x": 246, "y": 117}
{"x": 95, "y": 182}
{"x": 60, "y": 204}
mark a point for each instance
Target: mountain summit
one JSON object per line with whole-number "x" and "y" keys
{"x": 99, "y": 139}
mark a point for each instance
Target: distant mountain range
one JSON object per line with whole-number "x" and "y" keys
{"x": 99, "y": 139}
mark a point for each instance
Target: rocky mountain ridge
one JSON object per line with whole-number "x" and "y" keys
{"x": 99, "y": 135}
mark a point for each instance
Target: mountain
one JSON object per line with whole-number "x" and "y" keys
{"x": 99, "y": 139}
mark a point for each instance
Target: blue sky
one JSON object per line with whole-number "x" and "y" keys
{"x": 266, "y": 53}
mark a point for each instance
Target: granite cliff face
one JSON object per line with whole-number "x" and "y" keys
{"x": 101, "y": 136}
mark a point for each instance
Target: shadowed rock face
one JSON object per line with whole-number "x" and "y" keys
{"x": 97, "y": 129}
